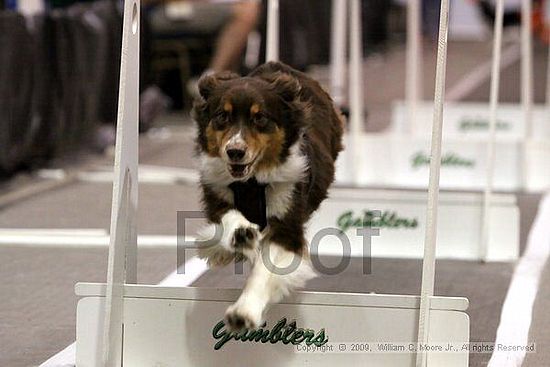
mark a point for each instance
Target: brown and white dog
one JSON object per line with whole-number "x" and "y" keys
{"x": 267, "y": 144}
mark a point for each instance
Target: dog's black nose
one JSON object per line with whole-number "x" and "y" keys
{"x": 236, "y": 154}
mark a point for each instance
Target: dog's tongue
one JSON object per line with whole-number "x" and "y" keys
{"x": 238, "y": 170}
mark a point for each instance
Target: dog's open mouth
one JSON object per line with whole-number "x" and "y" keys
{"x": 239, "y": 170}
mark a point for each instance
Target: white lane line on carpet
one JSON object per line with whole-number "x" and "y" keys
{"x": 194, "y": 268}
{"x": 74, "y": 238}
{"x": 515, "y": 319}
{"x": 480, "y": 74}
{"x": 147, "y": 174}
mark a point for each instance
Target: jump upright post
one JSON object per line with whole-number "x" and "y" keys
{"x": 428, "y": 263}
{"x": 122, "y": 265}
{"x": 493, "y": 103}
{"x": 273, "y": 23}
{"x": 414, "y": 87}
{"x": 338, "y": 51}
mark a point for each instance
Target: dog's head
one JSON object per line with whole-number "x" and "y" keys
{"x": 248, "y": 122}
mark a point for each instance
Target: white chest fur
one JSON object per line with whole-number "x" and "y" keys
{"x": 281, "y": 181}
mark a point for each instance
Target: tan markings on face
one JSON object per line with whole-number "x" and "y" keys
{"x": 254, "y": 109}
{"x": 215, "y": 139}
{"x": 228, "y": 107}
{"x": 273, "y": 145}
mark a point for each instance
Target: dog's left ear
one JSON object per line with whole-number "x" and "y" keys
{"x": 285, "y": 85}
{"x": 209, "y": 82}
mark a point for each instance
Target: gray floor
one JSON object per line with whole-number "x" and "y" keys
{"x": 37, "y": 307}
{"x": 88, "y": 205}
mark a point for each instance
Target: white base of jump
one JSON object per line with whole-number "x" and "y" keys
{"x": 471, "y": 119}
{"x": 401, "y": 161}
{"x": 399, "y": 158}
{"x": 169, "y": 327}
{"x": 403, "y": 223}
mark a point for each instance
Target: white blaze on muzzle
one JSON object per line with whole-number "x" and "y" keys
{"x": 236, "y": 142}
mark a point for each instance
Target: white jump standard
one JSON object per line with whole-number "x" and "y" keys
{"x": 123, "y": 324}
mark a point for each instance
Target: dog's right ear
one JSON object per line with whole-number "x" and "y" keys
{"x": 209, "y": 82}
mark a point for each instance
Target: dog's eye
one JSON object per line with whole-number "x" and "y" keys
{"x": 221, "y": 120}
{"x": 224, "y": 115}
{"x": 260, "y": 120}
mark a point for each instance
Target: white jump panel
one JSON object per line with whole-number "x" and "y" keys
{"x": 177, "y": 327}
{"x": 537, "y": 160}
{"x": 467, "y": 119}
{"x": 401, "y": 161}
{"x": 402, "y": 224}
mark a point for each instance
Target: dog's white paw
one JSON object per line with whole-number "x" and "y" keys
{"x": 246, "y": 240}
{"x": 243, "y": 315}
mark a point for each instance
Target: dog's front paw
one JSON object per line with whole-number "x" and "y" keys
{"x": 242, "y": 316}
{"x": 245, "y": 240}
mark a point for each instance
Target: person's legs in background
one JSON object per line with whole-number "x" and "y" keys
{"x": 231, "y": 41}
{"x": 233, "y": 37}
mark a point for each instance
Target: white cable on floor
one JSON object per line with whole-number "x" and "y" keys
{"x": 428, "y": 263}
{"x": 272, "y": 44}
{"x": 414, "y": 62}
{"x": 495, "y": 85}
{"x": 338, "y": 51}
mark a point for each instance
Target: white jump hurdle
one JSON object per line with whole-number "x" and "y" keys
{"x": 121, "y": 324}
{"x": 401, "y": 219}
